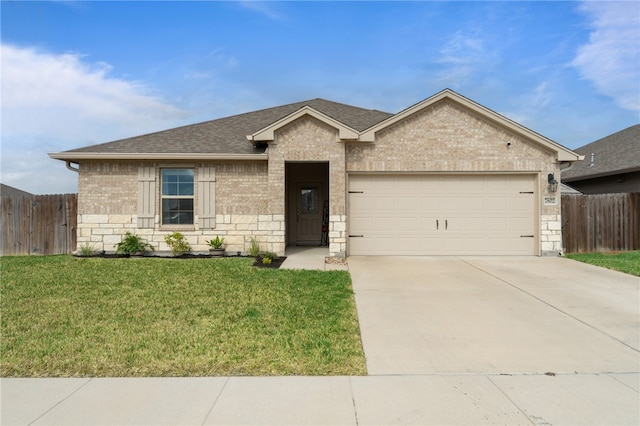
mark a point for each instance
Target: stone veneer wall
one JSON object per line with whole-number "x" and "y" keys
{"x": 108, "y": 196}
{"x": 309, "y": 139}
{"x": 448, "y": 138}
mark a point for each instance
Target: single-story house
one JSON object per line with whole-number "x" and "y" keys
{"x": 446, "y": 176}
{"x": 611, "y": 164}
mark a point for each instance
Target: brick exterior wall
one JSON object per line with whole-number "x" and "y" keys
{"x": 108, "y": 197}
{"x": 250, "y": 195}
{"x": 309, "y": 139}
{"x": 447, "y": 138}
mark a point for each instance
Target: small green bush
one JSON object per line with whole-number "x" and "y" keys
{"x": 268, "y": 257}
{"x": 132, "y": 243}
{"x": 178, "y": 243}
{"x": 217, "y": 242}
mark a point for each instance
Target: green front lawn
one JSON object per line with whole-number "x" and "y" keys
{"x": 625, "y": 261}
{"x": 64, "y": 316}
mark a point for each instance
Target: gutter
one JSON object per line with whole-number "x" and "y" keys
{"x": 73, "y": 169}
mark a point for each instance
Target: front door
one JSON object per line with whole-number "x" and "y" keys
{"x": 309, "y": 213}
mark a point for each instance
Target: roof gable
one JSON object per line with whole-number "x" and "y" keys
{"x": 268, "y": 133}
{"x": 613, "y": 154}
{"x": 563, "y": 154}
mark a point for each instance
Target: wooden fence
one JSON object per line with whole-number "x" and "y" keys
{"x": 38, "y": 224}
{"x": 601, "y": 222}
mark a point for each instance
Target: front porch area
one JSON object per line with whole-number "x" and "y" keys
{"x": 313, "y": 258}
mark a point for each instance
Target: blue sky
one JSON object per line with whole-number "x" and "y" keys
{"x": 79, "y": 73}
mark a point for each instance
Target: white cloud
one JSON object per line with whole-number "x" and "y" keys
{"x": 542, "y": 96}
{"x": 611, "y": 58}
{"x": 55, "y": 102}
{"x": 262, "y": 7}
{"x": 462, "y": 55}
{"x": 61, "y": 96}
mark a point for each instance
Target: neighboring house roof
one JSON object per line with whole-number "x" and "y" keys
{"x": 243, "y": 136}
{"x": 615, "y": 154}
{"x": 6, "y": 190}
{"x": 568, "y": 190}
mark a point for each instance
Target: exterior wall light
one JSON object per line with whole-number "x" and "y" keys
{"x": 553, "y": 183}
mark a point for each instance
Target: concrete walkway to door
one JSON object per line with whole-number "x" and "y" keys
{"x": 499, "y": 315}
{"x": 311, "y": 257}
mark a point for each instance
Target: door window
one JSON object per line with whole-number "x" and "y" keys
{"x": 309, "y": 201}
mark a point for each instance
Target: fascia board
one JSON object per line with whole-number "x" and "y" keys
{"x": 563, "y": 154}
{"x": 74, "y": 156}
{"x": 268, "y": 133}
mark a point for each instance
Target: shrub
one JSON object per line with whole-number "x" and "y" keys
{"x": 178, "y": 243}
{"x": 217, "y": 242}
{"x": 268, "y": 257}
{"x": 132, "y": 243}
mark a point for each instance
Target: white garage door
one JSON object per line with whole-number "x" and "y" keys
{"x": 441, "y": 215}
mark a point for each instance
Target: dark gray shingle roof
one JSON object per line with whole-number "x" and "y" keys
{"x": 228, "y": 135}
{"x": 613, "y": 154}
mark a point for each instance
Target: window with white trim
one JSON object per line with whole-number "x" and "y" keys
{"x": 177, "y": 196}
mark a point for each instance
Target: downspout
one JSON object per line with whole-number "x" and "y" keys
{"x": 72, "y": 168}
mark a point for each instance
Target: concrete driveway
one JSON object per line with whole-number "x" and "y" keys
{"x": 495, "y": 315}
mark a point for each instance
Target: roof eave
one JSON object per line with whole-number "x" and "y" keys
{"x": 76, "y": 156}
{"x": 601, "y": 174}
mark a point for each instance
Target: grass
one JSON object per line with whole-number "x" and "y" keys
{"x": 74, "y": 317}
{"x": 626, "y": 261}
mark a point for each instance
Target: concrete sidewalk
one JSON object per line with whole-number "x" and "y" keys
{"x": 476, "y": 399}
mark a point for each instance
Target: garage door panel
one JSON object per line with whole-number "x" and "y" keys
{"x": 474, "y": 224}
{"x": 359, "y": 224}
{"x": 441, "y": 214}
{"x": 522, "y": 225}
{"x": 385, "y": 203}
{"x": 410, "y": 225}
{"x": 363, "y": 205}
{"x": 520, "y": 203}
{"x": 389, "y": 224}
{"x": 429, "y": 204}
{"x": 429, "y": 224}
{"x": 407, "y": 204}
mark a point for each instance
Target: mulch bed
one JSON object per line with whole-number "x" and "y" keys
{"x": 275, "y": 264}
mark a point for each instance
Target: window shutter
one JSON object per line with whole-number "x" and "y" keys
{"x": 207, "y": 197}
{"x": 146, "y": 196}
